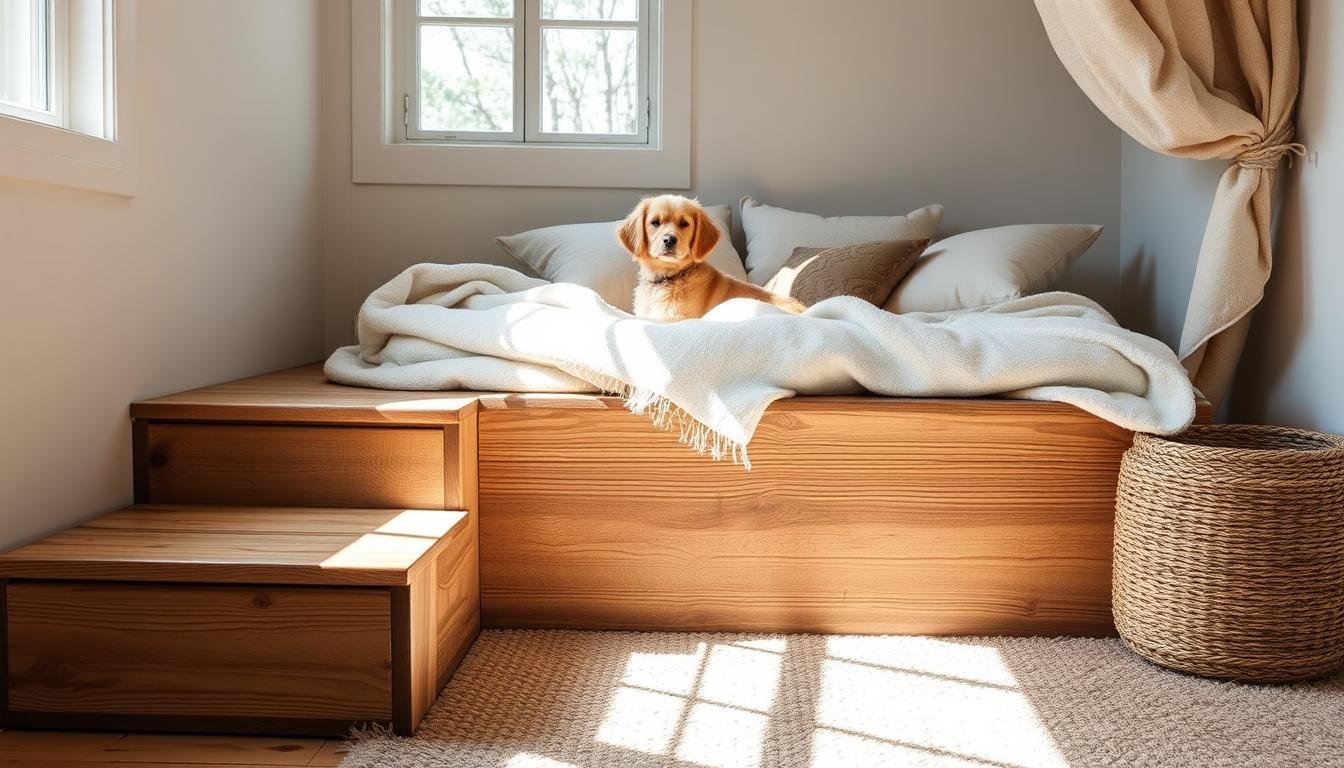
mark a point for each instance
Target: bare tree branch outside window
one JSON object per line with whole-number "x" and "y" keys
{"x": 589, "y": 77}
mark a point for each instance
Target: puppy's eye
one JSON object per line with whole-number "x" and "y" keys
{"x": 656, "y": 223}
{"x": 684, "y": 224}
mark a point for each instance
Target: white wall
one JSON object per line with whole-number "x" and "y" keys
{"x": 1294, "y": 358}
{"x": 862, "y": 107}
{"x": 1294, "y": 362}
{"x": 213, "y": 271}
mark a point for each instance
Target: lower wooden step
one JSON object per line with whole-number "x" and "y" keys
{"x": 191, "y": 657}
{"x": 145, "y": 620}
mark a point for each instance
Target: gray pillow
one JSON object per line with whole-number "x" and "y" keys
{"x": 989, "y": 266}
{"x": 773, "y": 233}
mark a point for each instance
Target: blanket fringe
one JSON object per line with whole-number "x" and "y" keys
{"x": 699, "y": 437}
{"x": 667, "y": 415}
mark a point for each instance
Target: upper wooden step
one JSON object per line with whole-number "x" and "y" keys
{"x": 303, "y": 395}
{"x": 351, "y": 547}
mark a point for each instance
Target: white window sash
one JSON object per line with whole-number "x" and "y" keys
{"x": 48, "y": 44}
{"x": 409, "y": 42}
{"x": 644, "y": 100}
{"x": 57, "y": 155}
{"x": 76, "y": 74}
{"x": 528, "y": 61}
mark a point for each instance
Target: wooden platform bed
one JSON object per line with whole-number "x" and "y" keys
{"x": 860, "y": 515}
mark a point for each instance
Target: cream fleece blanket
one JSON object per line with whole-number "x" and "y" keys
{"x": 489, "y": 328}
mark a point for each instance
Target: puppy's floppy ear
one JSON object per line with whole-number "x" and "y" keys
{"x": 706, "y": 235}
{"x": 632, "y": 233}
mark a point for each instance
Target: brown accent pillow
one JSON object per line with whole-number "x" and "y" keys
{"x": 869, "y": 271}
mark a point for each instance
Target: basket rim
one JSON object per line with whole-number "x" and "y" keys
{"x": 1317, "y": 445}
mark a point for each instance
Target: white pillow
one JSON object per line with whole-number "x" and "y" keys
{"x": 590, "y": 255}
{"x": 987, "y": 266}
{"x": 773, "y": 233}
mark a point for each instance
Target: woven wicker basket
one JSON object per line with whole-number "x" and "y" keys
{"x": 1229, "y": 552}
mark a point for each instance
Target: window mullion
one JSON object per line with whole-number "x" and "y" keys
{"x": 44, "y": 54}
{"x": 60, "y": 61}
{"x": 531, "y": 69}
{"x": 645, "y": 64}
{"x": 409, "y": 108}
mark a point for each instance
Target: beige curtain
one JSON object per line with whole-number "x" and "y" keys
{"x": 1200, "y": 79}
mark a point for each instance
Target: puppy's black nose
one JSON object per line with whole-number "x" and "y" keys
{"x": 669, "y": 240}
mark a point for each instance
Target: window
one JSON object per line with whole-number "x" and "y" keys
{"x": 533, "y": 71}
{"x": 587, "y": 93}
{"x": 26, "y": 60}
{"x": 53, "y": 63}
{"x": 63, "y": 66}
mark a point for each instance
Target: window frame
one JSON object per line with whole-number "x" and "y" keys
{"x": 528, "y": 62}
{"x": 407, "y": 51}
{"x": 58, "y": 154}
{"x": 646, "y": 27}
{"x": 54, "y": 51}
{"x": 380, "y": 155}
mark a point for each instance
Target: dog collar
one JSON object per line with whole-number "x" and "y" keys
{"x": 673, "y": 276}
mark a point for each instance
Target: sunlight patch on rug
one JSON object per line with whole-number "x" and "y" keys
{"x": 559, "y": 699}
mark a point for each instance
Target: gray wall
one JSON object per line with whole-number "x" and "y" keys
{"x": 208, "y": 274}
{"x": 871, "y": 107}
{"x": 1164, "y": 203}
{"x": 1294, "y": 358}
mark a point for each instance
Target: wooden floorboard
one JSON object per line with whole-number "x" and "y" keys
{"x": 83, "y": 750}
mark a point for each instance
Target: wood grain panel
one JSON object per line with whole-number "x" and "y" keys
{"x": 942, "y": 517}
{"x": 458, "y": 600}
{"x": 199, "y": 651}
{"x": 414, "y": 664}
{"x": 69, "y": 750}
{"x": 302, "y": 521}
{"x": 542, "y": 401}
{"x": 229, "y": 545}
{"x": 437, "y": 615}
{"x": 268, "y": 465}
{"x": 303, "y": 396}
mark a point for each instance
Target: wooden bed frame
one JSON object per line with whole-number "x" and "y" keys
{"x": 860, "y": 515}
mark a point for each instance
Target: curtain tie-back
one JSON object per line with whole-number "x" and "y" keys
{"x": 1267, "y": 155}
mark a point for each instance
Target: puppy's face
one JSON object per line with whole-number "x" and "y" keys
{"x": 668, "y": 233}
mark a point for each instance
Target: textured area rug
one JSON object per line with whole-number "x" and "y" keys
{"x": 550, "y": 699}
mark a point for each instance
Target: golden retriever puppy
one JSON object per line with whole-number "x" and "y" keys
{"x": 669, "y": 237}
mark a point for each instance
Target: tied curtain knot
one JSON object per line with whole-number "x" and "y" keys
{"x": 1267, "y": 155}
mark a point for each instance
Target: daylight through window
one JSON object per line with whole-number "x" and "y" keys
{"x": 544, "y": 71}
{"x": 54, "y": 63}
{"x": 26, "y": 59}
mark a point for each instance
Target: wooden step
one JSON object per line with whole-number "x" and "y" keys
{"x": 302, "y": 395}
{"x": 239, "y": 619}
{"x": 293, "y": 439}
{"x": 216, "y": 545}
